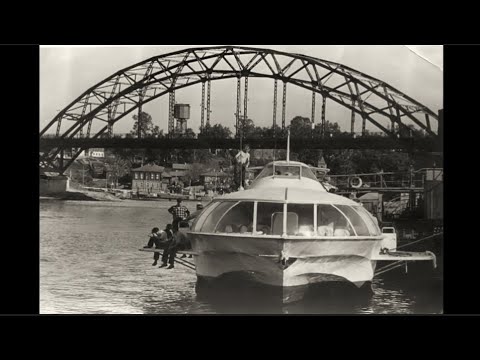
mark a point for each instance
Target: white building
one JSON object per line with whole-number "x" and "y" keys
{"x": 96, "y": 153}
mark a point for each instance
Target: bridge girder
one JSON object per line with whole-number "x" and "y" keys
{"x": 134, "y": 86}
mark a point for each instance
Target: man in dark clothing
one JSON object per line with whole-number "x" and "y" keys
{"x": 155, "y": 239}
{"x": 179, "y": 213}
{"x": 180, "y": 241}
{"x": 167, "y": 237}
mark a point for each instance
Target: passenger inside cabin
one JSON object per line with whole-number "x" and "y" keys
{"x": 237, "y": 216}
{"x": 305, "y": 230}
{"x": 264, "y": 229}
{"x": 341, "y": 229}
{"x": 326, "y": 224}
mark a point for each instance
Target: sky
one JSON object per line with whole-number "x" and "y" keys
{"x": 67, "y": 71}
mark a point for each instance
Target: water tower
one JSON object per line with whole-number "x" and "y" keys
{"x": 181, "y": 112}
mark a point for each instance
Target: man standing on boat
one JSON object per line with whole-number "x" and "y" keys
{"x": 242, "y": 160}
{"x": 179, "y": 213}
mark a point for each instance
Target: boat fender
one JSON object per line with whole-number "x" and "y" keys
{"x": 355, "y": 182}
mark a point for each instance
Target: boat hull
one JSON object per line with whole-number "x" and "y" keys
{"x": 285, "y": 266}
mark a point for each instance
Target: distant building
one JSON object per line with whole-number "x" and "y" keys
{"x": 181, "y": 166}
{"x": 96, "y": 152}
{"x": 177, "y": 173}
{"x": 211, "y": 177}
{"x": 147, "y": 179}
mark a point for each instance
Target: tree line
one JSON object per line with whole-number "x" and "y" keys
{"x": 339, "y": 161}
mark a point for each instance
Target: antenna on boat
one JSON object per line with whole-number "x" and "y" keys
{"x": 288, "y": 146}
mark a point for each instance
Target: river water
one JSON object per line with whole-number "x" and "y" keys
{"x": 90, "y": 264}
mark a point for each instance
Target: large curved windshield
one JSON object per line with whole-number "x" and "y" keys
{"x": 331, "y": 220}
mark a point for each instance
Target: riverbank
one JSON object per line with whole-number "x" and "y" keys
{"x": 82, "y": 195}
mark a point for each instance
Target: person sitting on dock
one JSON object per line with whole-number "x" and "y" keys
{"x": 179, "y": 213}
{"x": 155, "y": 239}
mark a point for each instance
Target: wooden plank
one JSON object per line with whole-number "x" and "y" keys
{"x": 405, "y": 256}
{"x": 187, "y": 252}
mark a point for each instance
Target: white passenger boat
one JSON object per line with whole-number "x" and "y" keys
{"x": 285, "y": 231}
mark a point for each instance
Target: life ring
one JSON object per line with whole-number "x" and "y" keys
{"x": 356, "y": 182}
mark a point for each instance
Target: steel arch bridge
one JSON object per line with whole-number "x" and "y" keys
{"x": 129, "y": 89}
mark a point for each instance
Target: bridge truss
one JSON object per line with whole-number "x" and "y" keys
{"x": 127, "y": 90}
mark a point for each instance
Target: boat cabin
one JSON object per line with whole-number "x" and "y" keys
{"x": 286, "y": 199}
{"x": 281, "y": 218}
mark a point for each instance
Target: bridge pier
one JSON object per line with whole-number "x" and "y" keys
{"x": 284, "y": 104}
{"x": 274, "y": 107}
{"x": 202, "y": 114}
{"x": 171, "y": 119}
{"x": 139, "y": 123}
{"x": 237, "y": 114}
{"x": 208, "y": 102}
{"x": 245, "y": 103}
{"x": 313, "y": 109}
{"x": 352, "y": 120}
{"x": 324, "y": 108}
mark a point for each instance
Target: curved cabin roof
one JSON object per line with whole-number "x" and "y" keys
{"x": 287, "y": 174}
{"x": 295, "y": 188}
{"x": 292, "y": 195}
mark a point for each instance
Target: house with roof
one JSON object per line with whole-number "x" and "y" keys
{"x": 147, "y": 178}
{"x": 212, "y": 177}
{"x": 177, "y": 173}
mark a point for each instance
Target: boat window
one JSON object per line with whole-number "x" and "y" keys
{"x": 287, "y": 171}
{"x": 277, "y": 223}
{"x": 331, "y": 222}
{"x": 304, "y": 226}
{"x": 199, "y": 220}
{"x": 357, "y": 221}
{"x": 308, "y": 173}
{"x": 267, "y": 171}
{"x": 212, "y": 219}
{"x": 369, "y": 220}
{"x": 265, "y": 213}
{"x": 237, "y": 219}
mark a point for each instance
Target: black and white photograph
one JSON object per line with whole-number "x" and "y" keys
{"x": 241, "y": 179}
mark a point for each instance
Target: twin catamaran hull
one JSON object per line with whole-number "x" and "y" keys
{"x": 286, "y": 266}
